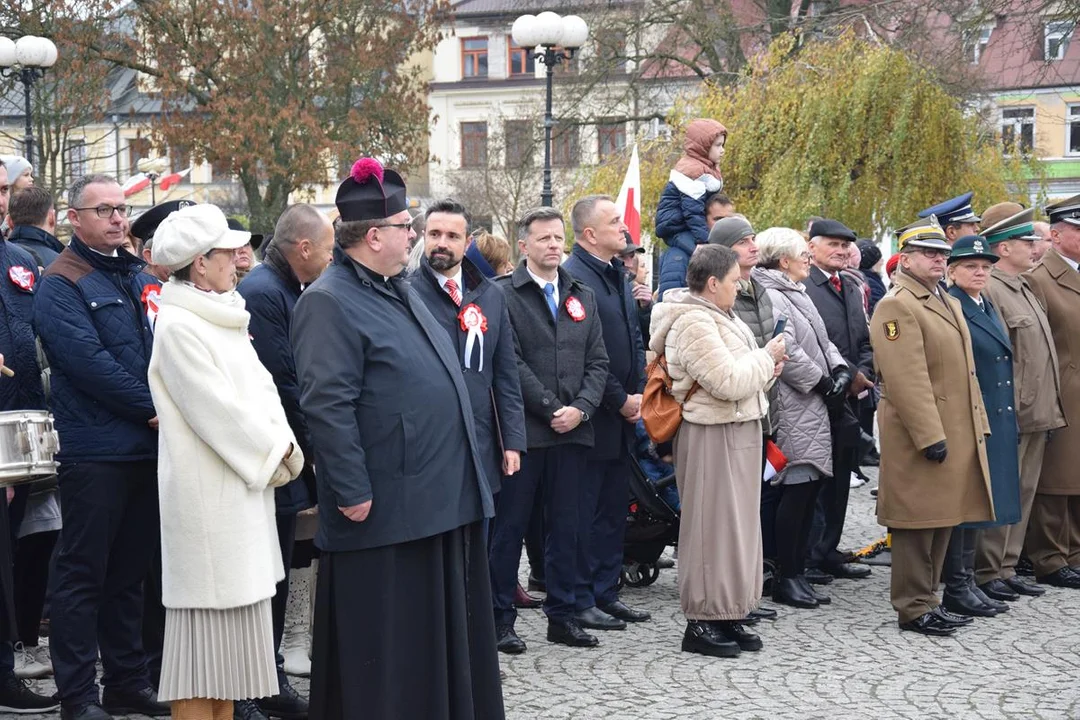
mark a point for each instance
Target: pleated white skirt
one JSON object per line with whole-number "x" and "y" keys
{"x": 218, "y": 654}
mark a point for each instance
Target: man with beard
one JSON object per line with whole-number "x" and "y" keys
{"x": 300, "y": 250}
{"x": 402, "y": 611}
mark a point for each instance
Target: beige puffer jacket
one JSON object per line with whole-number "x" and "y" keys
{"x": 703, "y": 343}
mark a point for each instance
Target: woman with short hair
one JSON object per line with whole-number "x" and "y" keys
{"x": 719, "y": 376}
{"x": 224, "y": 446}
{"x": 814, "y": 376}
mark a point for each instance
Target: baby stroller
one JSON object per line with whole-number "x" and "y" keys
{"x": 651, "y": 525}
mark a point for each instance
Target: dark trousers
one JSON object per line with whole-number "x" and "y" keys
{"x": 958, "y": 572}
{"x": 110, "y": 535}
{"x": 534, "y": 539}
{"x": 602, "y": 517}
{"x": 794, "y": 516}
{"x": 153, "y": 622}
{"x": 828, "y": 527}
{"x": 556, "y": 475}
{"x": 286, "y": 529}
{"x": 33, "y": 558}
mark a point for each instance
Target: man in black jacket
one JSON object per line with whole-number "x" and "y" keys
{"x": 598, "y": 232}
{"x": 839, "y": 300}
{"x": 402, "y": 628}
{"x": 32, "y": 219}
{"x": 563, "y": 368}
{"x": 301, "y": 249}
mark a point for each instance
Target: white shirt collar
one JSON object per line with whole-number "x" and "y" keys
{"x": 606, "y": 262}
{"x": 456, "y": 278}
{"x": 1072, "y": 263}
{"x": 542, "y": 282}
{"x": 114, "y": 253}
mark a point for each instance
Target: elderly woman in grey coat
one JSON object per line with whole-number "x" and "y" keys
{"x": 800, "y": 411}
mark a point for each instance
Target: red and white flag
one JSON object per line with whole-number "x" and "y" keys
{"x": 135, "y": 183}
{"x": 774, "y": 461}
{"x": 167, "y": 181}
{"x": 629, "y": 200}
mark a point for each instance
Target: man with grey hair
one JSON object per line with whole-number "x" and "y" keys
{"x": 93, "y": 314}
{"x": 1040, "y": 246}
{"x": 296, "y": 256}
{"x": 564, "y": 369}
{"x": 599, "y": 234}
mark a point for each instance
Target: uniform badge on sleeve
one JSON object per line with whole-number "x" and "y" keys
{"x": 892, "y": 330}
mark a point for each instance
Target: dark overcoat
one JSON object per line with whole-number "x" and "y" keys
{"x": 560, "y": 362}
{"x": 625, "y": 349}
{"x": 993, "y": 366}
{"x": 494, "y": 385}
{"x": 388, "y": 411}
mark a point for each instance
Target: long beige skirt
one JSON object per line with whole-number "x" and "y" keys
{"x": 718, "y": 472}
{"x": 218, "y": 654}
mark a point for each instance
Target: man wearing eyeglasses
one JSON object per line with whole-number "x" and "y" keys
{"x": 93, "y": 313}
{"x": 934, "y": 473}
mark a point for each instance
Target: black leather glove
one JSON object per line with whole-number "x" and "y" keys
{"x": 824, "y": 386}
{"x": 841, "y": 379}
{"x": 936, "y": 452}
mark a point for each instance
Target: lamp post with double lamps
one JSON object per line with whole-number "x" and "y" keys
{"x": 26, "y": 59}
{"x": 552, "y": 39}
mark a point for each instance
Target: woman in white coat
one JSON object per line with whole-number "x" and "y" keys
{"x": 224, "y": 446}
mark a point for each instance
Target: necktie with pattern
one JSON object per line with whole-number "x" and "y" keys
{"x": 834, "y": 280}
{"x": 453, "y": 291}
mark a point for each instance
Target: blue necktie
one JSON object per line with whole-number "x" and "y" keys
{"x": 549, "y": 295}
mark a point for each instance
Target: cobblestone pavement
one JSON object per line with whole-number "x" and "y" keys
{"x": 844, "y": 661}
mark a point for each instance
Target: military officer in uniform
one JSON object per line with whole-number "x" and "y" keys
{"x": 1037, "y": 389}
{"x": 955, "y": 217}
{"x": 930, "y": 480}
{"x": 1053, "y": 541}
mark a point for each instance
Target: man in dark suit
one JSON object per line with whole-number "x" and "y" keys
{"x": 839, "y": 300}
{"x": 563, "y": 369}
{"x": 472, "y": 310}
{"x": 598, "y": 232}
{"x": 403, "y": 595}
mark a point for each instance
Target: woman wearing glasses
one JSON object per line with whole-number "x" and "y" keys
{"x": 933, "y": 473}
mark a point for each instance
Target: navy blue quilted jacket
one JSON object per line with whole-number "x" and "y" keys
{"x": 17, "y": 286}
{"x": 91, "y": 315}
{"x": 680, "y": 223}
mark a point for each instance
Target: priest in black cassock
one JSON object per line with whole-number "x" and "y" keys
{"x": 403, "y": 625}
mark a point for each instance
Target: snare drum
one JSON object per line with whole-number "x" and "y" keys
{"x": 28, "y": 443}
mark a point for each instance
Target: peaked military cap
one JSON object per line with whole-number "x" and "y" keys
{"x": 956, "y": 210}
{"x": 1067, "y": 210}
{"x": 144, "y": 226}
{"x": 1019, "y": 226}
{"x": 922, "y": 234}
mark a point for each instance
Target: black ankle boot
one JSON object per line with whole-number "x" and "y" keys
{"x": 734, "y": 630}
{"x": 701, "y": 638}
{"x": 789, "y": 591}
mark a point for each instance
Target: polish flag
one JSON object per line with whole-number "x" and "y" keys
{"x": 629, "y": 200}
{"x": 135, "y": 183}
{"x": 774, "y": 461}
{"x": 167, "y": 181}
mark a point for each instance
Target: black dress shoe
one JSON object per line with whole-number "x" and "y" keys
{"x": 734, "y": 631}
{"x": 1066, "y": 577}
{"x": 702, "y": 638}
{"x": 821, "y": 598}
{"x": 950, "y": 619}
{"x": 763, "y": 613}
{"x": 247, "y": 710}
{"x": 507, "y": 640}
{"x": 617, "y": 609}
{"x": 140, "y": 702}
{"x": 985, "y": 599}
{"x": 928, "y": 624}
{"x": 1023, "y": 586}
{"x": 596, "y": 619}
{"x": 524, "y": 600}
{"x": 817, "y": 576}
{"x": 968, "y": 604}
{"x": 17, "y": 698}
{"x": 536, "y": 585}
{"x": 789, "y": 591}
{"x": 664, "y": 562}
{"x": 286, "y": 705}
{"x": 848, "y": 571}
{"x": 85, "y": 711}
{"x": 998, "y": 589}
{"x": 1024, "y": 567}
{"x": 568, "y": 632}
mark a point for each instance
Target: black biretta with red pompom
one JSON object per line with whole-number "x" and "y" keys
{"x": 371, "y": 192}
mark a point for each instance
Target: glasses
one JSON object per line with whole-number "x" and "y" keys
{"x": 933, "y": 254}
{"x": 105, "y": 211}
{"x": 403, "y": 226}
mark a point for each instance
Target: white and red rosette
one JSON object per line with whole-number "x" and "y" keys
{"x": 21, "y": 277}
{"x": 575, "y": 309}
{"x": 151, "y": 299}
{"x": 474, "y": 323}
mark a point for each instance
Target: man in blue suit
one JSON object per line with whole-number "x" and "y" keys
{"x": 598, "y": 231}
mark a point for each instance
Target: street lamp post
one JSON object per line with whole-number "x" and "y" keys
{"x": 152, "y": 168}
{"x": 553, "y": 39}
{"x": 27, "y": 58}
